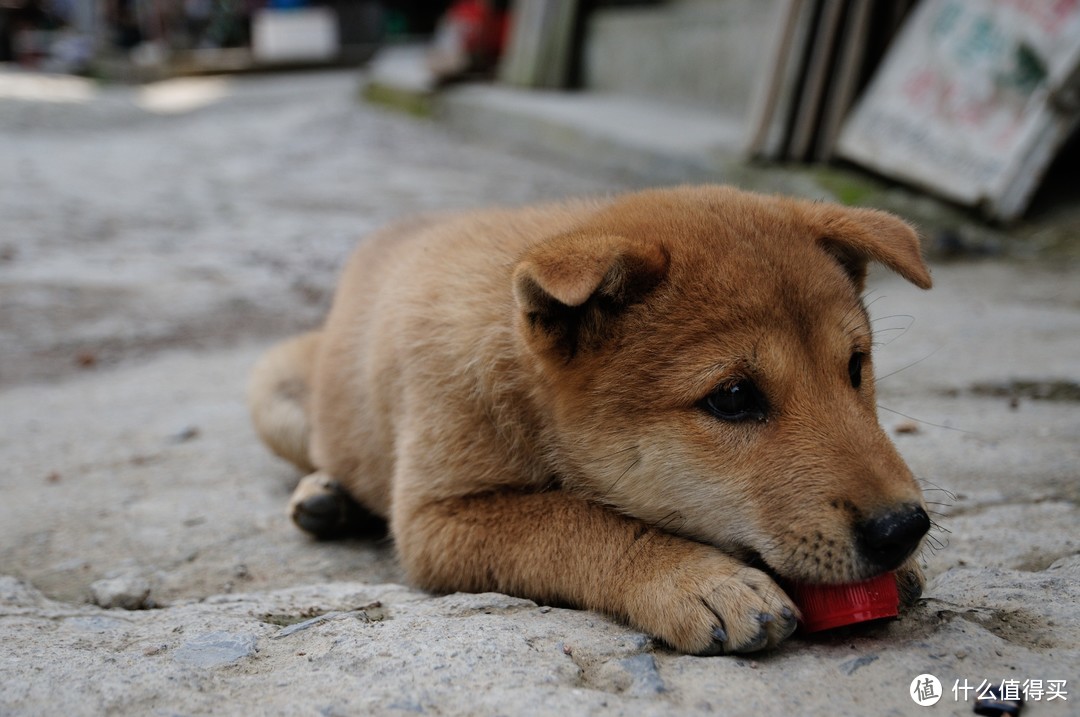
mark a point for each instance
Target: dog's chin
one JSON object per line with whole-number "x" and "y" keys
{"x": 821, "y": 575}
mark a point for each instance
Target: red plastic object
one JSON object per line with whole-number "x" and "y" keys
{"x": 485, "y": 29}
{"x": 827, "y": 606}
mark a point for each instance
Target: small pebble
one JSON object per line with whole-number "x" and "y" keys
{"x": 906, "y": 427}
{"x": 185, "y": 434}
{"x": 125, "y": 593}
{"x": 215, "y": 649}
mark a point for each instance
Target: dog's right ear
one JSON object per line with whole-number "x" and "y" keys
{"x": 855, "y": 237}
{"x": 570, "y": 288}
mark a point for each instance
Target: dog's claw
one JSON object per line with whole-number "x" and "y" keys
{"x": 716, "y": 647}
{"x": 785, "y": 626}
{"x": 788, "y": 623}
{"x": 758, "y": 642}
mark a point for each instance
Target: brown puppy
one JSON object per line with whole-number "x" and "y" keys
{"x": 651, "y": 406}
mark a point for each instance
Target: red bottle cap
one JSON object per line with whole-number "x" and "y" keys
{"x": 827, "y": 606}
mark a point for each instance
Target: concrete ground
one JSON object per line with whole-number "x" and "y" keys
{"x": 155, "y": 242}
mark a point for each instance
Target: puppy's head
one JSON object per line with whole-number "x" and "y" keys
{"x": 706, "y": 357}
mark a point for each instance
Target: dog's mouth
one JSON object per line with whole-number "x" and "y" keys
{"x": 755, "y": 560}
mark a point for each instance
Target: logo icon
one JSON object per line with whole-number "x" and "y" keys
{"x": 925, "y": 690}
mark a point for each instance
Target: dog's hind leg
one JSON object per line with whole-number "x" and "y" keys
{"x": 279, "y": 397}
{"x": 279, "y": 394}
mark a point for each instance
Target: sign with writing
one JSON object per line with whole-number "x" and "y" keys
{"x": 973, "y": 100}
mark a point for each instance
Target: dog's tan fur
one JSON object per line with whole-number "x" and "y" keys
{"x": 518, "y": 393}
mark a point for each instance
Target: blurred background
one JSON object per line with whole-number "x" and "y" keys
{"x": 972, "y": 102}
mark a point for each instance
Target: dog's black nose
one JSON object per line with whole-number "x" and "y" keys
{"x": 888, "y": 539}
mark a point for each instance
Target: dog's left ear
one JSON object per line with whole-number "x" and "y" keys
{"x": 856, "y": 236}
{"x": 570, "y": 289}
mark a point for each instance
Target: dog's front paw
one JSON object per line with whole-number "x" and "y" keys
{"x": 909, "y": 582}
{"x": 711, "y": 604}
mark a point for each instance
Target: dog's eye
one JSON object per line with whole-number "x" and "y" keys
{"x": 739, "y": 401}
{"x": 854, "y": 368}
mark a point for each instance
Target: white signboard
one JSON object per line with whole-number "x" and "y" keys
{"x": 973, "y": 100}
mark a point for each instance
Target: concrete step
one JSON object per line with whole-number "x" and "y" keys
{"x": 614, "y": 131}
{"x": 698, "y": 52}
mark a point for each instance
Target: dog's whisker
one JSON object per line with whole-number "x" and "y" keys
{"x": 611, "y": 488}
{"x": 898, "y": 331}
{"x": 852, "y": 319}
{"x": 669, "y": 519}
{"x": 855, "y": 321}
{"x": 936, "y": 528}
{"x": 879, "y": 379}
{"x": 866, "y": 296}
{"x": 935, "y": 544}
{"x": 925, "y": 423}
{"x": 935, "y": 486}
{"x": 640, "y": 544}
{"x": 931, "y": 488}
{"x": 909, "y": 317}
{"x": 885, "y": 335}
{"x": 934, "y": 525}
